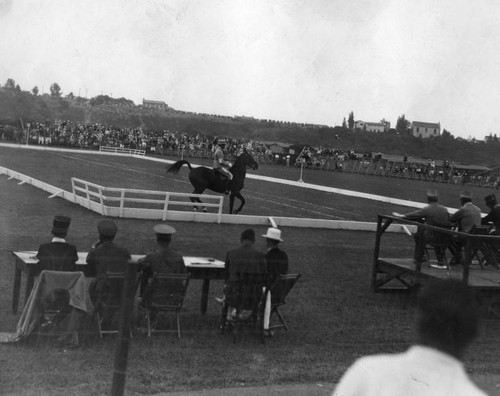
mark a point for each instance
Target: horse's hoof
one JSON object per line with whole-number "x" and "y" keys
{"x": 205, "y": 210}
{"x": 195, "y": 209}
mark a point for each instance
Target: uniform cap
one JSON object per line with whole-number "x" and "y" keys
{"x": 164, "y": 229}
{"x": 490, "y": 199}
{"x": 466, "y": 194}
{"x": 432, "y": 193}
{"x": 107, "y": 228}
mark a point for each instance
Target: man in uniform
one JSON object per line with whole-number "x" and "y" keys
{"x": 494, "y": 215}
{"x": 433, "y": 214}
{"x": 466, "y": 218}
{"x": 106, "y": 255}
{"x": 163, "y": 260}
{"x": 220, "y": 164}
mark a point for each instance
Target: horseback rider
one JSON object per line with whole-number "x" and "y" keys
{"x": 220, "y": 164}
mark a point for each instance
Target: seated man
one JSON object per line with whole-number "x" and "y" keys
{"x": 58, "y": 255}
{"x": 243, "y": 260}
{"x": 465, "y": 218}
{"x": 277, "y": 264}
{"x": 163, "y": 260}
{"x": 493, "y": 218}
{"x": 106, "y": 256}
{"x": 433, "y": 214}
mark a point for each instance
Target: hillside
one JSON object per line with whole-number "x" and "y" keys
{"x": 17, "y": 105}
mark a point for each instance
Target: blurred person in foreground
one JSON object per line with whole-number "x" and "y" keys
{"x": 447, "y": 324}
{"x": 433, "y": 214}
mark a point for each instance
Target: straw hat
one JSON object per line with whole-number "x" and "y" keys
{"x": 273, "y": 233}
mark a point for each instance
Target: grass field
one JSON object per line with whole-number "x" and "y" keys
{"x": 333, "y": 315}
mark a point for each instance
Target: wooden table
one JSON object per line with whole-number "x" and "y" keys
{"x": 205, "y": 268}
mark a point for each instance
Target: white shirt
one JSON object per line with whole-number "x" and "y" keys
{"x": 418, "y": 371}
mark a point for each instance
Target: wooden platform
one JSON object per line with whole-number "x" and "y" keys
{"x": 401, "y": 273}
{"x": 404, "y": 271}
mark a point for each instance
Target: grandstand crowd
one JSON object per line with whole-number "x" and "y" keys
{"x": 173, "y": 143}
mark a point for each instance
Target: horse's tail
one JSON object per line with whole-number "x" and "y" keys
{"x": 174, "y": 168}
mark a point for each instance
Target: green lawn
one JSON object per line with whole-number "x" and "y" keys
{"x": 333, "y": 315}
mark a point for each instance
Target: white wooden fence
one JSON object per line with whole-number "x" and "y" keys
{"x": 135, "y": 203}
{"x": 121, "y": 150}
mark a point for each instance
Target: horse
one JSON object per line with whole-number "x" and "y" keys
{"x": 203, "y": 178}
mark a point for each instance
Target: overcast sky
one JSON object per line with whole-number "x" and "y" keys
{"x": 297, "y": 60}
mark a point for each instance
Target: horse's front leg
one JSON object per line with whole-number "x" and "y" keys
{"x": 231, "y": 202}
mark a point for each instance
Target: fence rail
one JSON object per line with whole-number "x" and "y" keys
{"x": 120, "y": 150}
{"x": 135, "y": 203}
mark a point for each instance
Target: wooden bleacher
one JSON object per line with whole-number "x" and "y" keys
{"x": 400, "y": 273}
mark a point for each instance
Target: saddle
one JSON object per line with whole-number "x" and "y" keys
{"x": 220, "y": 180}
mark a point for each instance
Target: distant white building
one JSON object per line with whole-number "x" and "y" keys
{"x": 372, "y": 126}
{"x": 425, "y": 130}
{"x": 154, "y": 104}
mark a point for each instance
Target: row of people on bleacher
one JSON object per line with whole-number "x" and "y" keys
{"x": 465, "y": 219}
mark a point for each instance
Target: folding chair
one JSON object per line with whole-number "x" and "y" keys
{"x": 244, "y": 301}
{"x": 58, "y": 305}
{"x": 481, "y": 250}
{"x": 279, "y": 291}
{"x": 108, "y": 299}
{"x": 165, "y": 293}
{"x": 439, "y": 242}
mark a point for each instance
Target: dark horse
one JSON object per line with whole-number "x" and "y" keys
{"x": 202, "y": 178}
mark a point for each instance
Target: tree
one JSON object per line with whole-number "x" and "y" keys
{"x": 10, "y": 84}
{"x": 344, "y": 124}
{"x": 447, "y": 134}
{"x": 35, "y": 90}
{"x": 55, "y": 90}
{"x": 350, "y": 121}
{"x": 402, "y": 125}
{"x": 70, "y": 96}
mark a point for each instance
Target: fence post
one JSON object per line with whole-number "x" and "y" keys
{"x": 219, "y": 217}
{"x": 73, "y": 188}
{"x": 165, "y": 207}
{"x": 101, "y": 200}
{"x": 122, "y": 202}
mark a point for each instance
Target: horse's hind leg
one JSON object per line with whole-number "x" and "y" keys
{"x": 231, "y": 202}
{"x": 196, "y": 199}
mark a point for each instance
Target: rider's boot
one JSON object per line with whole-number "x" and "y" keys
{"x": 227, "y": 190}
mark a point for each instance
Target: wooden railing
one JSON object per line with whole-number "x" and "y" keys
{"x": 135, "y": 203}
